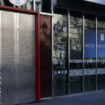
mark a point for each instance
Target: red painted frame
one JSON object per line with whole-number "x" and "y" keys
{"x": 37, "y": 43}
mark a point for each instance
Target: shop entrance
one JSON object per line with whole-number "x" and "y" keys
{"x": 78, "y": 53}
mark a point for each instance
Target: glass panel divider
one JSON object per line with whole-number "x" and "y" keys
{"x": 83, "y": 50}
{"x": 96, "y": 53}
{"x": 68, "y": 51}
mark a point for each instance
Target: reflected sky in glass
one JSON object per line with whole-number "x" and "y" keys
{"x": 97, "y": 1}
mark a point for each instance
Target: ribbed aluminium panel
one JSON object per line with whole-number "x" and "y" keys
{"x": 8, "y": 86}
{"x": 17, "y": 58}
{"x": 26, "y": 57}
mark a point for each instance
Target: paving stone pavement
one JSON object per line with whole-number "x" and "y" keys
{"x": 94, "y": 98}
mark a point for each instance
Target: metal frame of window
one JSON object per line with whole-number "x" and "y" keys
{"x": 96, "y": 52}
{"x": 68, "y": 51}
{"x": 83, "y": 50}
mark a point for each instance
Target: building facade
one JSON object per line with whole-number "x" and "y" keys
{"x": 72, "y": 47}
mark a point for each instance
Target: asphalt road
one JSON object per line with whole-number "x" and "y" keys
{"x": 94, "y": 98}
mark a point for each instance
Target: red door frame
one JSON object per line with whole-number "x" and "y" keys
{"x": 37, "y": 43}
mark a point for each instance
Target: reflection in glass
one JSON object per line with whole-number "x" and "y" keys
{"x": 29, "y": 5}
{"x": 90, "y": 42}
{"x": 38, "y": 5}
{"x": 90, "y": 53}
{"x": 76, "y": 41}
{"x": 76, "y": 52}
{"x": 90, "y": 83}
{"x": 101, "y": 81}
{"x": 5, "y": 2}
{"x": 46, "y": 6}
{"x": 101, "y": 42}
{"x": 60, "y": 54}
{"x": 76, "y": 84}
{"x": 1, "y": 2}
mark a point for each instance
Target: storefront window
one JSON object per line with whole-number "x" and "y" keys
{"x": 29, "y": 5}
{"x": 76, "y": 53}
{"x": 76, "y": 84}
{"x": 60, "y": 86}
{"x": 5, "y": 2}
{"x": 101, "y": 42}
{"x": 90, "y": 83}
{"x": 100, "y": 53}
{"x": 76, "y": 41}
{"x": 101, "y": 81}
{"x": 90, "y": 42}
{"x": 1, "y": 2}
{"x": 46, "y": 6}
{"x": 90, "y": 53}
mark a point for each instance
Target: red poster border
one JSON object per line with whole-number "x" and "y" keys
{"x": 37, "y": 44}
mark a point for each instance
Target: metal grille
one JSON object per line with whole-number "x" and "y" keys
{"x": 8, "y": 64}
{"x": 17, "y": 58}
{"x": 26, "y": 57}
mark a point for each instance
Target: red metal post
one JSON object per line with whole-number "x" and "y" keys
{"x": 38, "y": 57}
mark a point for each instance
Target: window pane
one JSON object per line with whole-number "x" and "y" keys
{"x": 45, "y": 56}
{"x": 90, "y": 83}
{"x": 29, "y": 5}
{"x": 90, "y": 42}
{"x": 76, "y": 53}
{"x": 38, "y": 5}
{"x": 46, "y": 6}
{"x": 76, "y": 41}
{"x": 101, "y": 42}
{"x": 76, "y": 84}
{"x": 101, "y": 82}
{"x": 60, "y": 54}
{"x": 6, "y": 2}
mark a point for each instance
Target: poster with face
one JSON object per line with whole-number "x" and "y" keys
{"x": 18, "y": 2}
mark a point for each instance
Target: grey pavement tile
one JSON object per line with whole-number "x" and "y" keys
{"x": 94, "y": 98}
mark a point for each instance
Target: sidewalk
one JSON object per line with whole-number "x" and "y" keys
{"x": 94, "y": 98}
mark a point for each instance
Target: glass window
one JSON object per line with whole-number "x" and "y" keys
{"x": 76, "y": 84}
{"x": 38, "y": 5}
{"x": 5, "y": 2}
{"x": 90, "y": 42}
{"x": 101, "y": 42}
{"x": 46, "y": 6}
{"x": 90, "y": 83}
{"x": 101, "y": 81}
{"x": 29, "y": 5}
{"x": 76, "y": 41}
{"x": 1, "y": 2}
{"x": 90, "y": 53}
{"x": 45, "y": 56}
{"x": 60, "y": 55}
{"x": 76, "y": 53}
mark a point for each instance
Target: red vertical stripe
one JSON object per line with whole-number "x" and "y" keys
{"x": 38, "y": 57}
